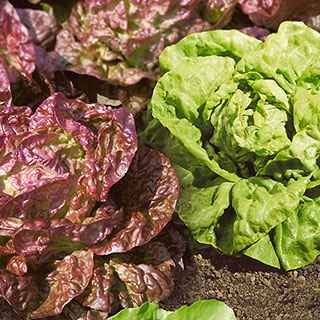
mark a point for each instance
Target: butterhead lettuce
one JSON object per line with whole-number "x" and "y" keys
{"x": 208, "y": 309}
{"x": 239, "y": 119}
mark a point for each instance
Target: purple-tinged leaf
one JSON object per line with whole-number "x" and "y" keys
{"x": 256, "y": 32}
{"x": 17, "y": 265}
{"x": 5, "y": 92}
{"x": 75, "y": 311}
{"x": 148, "y": 195}
{"x": 46, "y": 66}
{"x": 13, "y": 121}
{"x": 19, "y": 291}
{"x": 15, "y": 40}
{"x": 47, "y": 201}
{"x": 143, "y": 274}
{"x": 8, "y": 226}
{"x": 150, "y": 280}
{"x": 218, "y": 12}
{"x": 126, "y": 37}
{"x": 96, "y": 229}
{"x": 175, "y": 242}
{"x": 271, "y": 13}
{"x": 42, "y": 240}
{"x": 68, "y": 280}
{"x": 108, "y": 137}
{"x": 43, "y": 26}
{"x": 136, "y": 97}
{"x": 100, "y": 296}
{"x": 87, "y": 147}
{"x": 7, "y": 249}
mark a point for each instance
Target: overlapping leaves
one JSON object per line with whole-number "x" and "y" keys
{"x": 120, "y": 41}
{"x": 240, "y": 118}
{"x": 75, "y": 193}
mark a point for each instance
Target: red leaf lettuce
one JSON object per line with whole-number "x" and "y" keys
{"x": 79, "y": 204}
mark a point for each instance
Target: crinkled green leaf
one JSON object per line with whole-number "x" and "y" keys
{"x": 210, "y": 309}
{"x": 297, "y": 238}
{"x": 227, "y": 43}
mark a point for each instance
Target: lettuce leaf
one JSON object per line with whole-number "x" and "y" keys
{"x": 270, "y": 14}
{"x": 210, "y": 309}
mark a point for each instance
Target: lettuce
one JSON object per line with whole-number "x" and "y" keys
{"x": 206, "y": 310}
{"x": 120, "y": 41}
{"x": 80, "y": 205}
{"x": 28, "y": 73}
{"x": 239, "y": 120}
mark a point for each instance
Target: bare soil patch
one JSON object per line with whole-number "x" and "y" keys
{"x": 253, "y": 290}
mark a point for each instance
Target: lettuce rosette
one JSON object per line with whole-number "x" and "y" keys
{"x": 80, "y": 206}
{"x": 119, "y": 41}
{"x": 239, "y": 120}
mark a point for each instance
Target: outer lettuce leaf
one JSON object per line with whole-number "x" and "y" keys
{"x": 149, "y": 193}
{"x": 43, "y": 26}
{"x": 264, "y": 251}
{"x": 210, "y": 309}
{"x": 114, "y": 282}
{"x": 246, "y": 111}
{"x": 270, "y": 14}
{"x": 72, "y": 273}
{"x": 295, "y": 242}
{"x": 21, "y": 292}
{"x": 297, "y": 239}
{"x": 147, "y": 278}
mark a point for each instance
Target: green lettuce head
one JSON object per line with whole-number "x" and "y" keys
{"x": 239, "y": 119}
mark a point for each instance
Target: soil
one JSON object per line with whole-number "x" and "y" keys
{"x": 254, "y": 291}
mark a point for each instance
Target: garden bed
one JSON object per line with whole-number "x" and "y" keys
{"x": 253, "y": 290}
